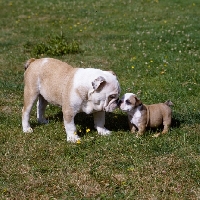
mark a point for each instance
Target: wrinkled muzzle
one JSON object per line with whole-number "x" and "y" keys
{"x": 112, "y": 105}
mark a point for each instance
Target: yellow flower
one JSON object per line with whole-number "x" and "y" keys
{"x": 133, "y": 58}
{"x": 75, "y": 133}
{"x": 130, "y": 169}
{"x": 162, "y": 72}
{"x": 78, "y": 141}
{"x": 87, "y": 130}
{"x": 132, "y": 67}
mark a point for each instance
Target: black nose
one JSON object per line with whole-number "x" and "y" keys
{"x": 119, "y": 102}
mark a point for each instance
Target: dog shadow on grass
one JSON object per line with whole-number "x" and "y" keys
{"x": 114, "y": 121}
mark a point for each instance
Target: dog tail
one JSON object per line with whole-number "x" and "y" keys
{"x": 169, "y": 103}
{"x": 28, "y": 62}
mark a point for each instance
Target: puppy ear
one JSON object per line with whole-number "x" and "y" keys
{"x": 138, "y": 101}
{"x": 98, "y": 83}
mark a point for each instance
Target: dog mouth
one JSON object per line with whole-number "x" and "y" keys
{"x": 112, "y": 105}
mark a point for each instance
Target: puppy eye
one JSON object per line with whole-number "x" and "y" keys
{"x": 128, "y": 102}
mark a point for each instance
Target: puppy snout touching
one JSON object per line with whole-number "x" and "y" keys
{"x": 119, "y": 102}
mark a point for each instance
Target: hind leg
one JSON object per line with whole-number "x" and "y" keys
{"x": 166, "y": 124}
{"x": 166, "y": 128}
{"x": 41, "y": 106}
{"x": 29, "y": 98}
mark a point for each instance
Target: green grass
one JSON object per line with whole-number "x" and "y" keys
{"x": 154, "y": 48}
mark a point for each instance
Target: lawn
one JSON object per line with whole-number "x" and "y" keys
{"x": 154, "y": 48}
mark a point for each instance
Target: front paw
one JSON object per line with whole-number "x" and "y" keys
{"x": 103, "y": 131}
{"x": 73, "y": 138}
{"x": 28, "y": 130}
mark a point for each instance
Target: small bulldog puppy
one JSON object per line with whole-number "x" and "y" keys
{"x": 141, "y": 116}
{"x": 76, "y": 90}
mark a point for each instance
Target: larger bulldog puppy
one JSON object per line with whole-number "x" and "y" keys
{"x": 74, "y": 89}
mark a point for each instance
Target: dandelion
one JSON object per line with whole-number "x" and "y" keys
{"x": 132, "y": 67}
{"x": 87, "y": 130}
{"x": 133, "y": 58}
{"x": 78, "y": 142}
{"x": 130, "y": 169}
{"x": 162, "y": 72}
{"x": 151, "y": 61}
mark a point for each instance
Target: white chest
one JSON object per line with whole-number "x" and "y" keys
{"x": 135, "y": 117}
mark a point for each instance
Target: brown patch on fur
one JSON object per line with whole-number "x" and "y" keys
{"x": 82, "y": 92}
{"x": 54, "y": 85}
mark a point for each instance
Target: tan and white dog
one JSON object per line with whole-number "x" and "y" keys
{"x": 141, "y": 116}
{"x": 76, "y": 90}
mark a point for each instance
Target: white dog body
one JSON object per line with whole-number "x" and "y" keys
{"x": 74, "y": 89}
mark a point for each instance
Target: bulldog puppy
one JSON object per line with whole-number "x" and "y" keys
{"x": 74, "y": 89}
{"x": 141, "y": 116}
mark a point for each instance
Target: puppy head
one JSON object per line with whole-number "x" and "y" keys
{"x": 129, "y": 102}
{"x": 106, "y": 89}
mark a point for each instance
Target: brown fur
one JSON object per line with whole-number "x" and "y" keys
{"x": 56, "y": 94}
{"x": 152, "y": 116}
